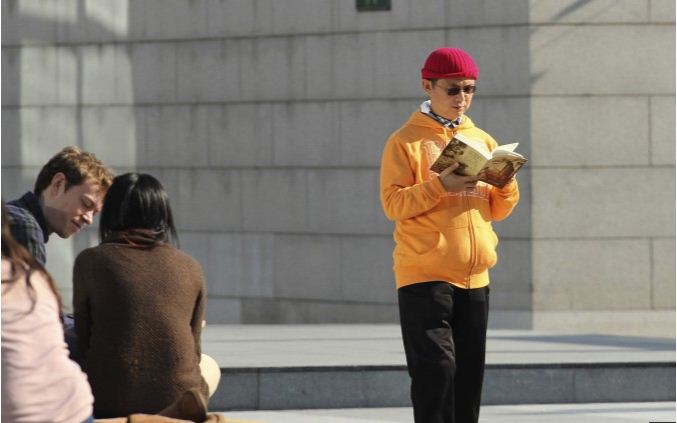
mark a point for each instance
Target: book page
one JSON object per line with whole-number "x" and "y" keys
{"x": 502, "y": 153}
{"x": 506, "y": 148}
{"x": 479, "y": 146}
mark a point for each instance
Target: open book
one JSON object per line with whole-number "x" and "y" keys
{"x": 493, "y": 167}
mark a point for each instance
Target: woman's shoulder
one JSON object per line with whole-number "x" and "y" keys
{"x": 98, "y": 257}
{"x": 23, "y": 283}
{"x": 91, "y": 253}
{"x": 182, "y": 258}
{"x": 178, "y": 262}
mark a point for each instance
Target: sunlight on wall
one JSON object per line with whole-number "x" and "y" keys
{"x": 70, "y": 90}
{"x": 113, "y": 15}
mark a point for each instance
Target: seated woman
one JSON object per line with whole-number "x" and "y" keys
{"x": 139, "y": 304}
{"x": 39, "y": 382}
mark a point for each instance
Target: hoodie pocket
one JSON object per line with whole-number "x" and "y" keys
{"x": 453, "y": 249}
{"x": 485, "y": 247}
{"x": 434, "y": 245}
{"x": 418, "y": 248}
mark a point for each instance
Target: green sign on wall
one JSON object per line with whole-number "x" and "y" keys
{"x": 367, "y": 5}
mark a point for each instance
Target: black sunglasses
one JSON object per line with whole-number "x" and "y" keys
{"x": 467, "y": 89}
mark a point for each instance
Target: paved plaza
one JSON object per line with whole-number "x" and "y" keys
{"x": 542, "y": 413}
{"x": 282, "y": 346}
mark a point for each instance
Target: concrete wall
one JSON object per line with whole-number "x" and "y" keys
{"x": 603, "y": 175}
{"x": 265, "y": 120}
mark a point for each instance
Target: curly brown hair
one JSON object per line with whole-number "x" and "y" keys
{"x": 78, "y": 166}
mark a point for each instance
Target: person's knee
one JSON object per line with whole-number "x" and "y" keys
{"x": 445, "y": 364}
{"x": 211, "y": 372}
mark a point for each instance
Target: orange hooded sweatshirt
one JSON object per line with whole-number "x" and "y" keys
{"x": 439, "y": 236}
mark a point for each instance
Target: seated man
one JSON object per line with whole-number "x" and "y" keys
{"x": 68, "y": 192}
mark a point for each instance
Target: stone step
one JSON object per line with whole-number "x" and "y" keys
{"x": 388, "y": 386}
{"x": 357, "y": 366}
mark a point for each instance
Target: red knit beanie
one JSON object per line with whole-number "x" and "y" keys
{"x": 449, "y": 62}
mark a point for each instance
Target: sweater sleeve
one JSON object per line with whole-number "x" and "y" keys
{"x": 199, "y": 312}
{"x": 81, "y": 304}
{"x": 401, "y": 197}
{"x": 503, "y": 200}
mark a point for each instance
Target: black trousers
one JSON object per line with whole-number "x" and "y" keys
{"x": 444, "y": 329}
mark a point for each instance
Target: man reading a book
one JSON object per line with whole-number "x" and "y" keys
{"x": 445, "y": 244}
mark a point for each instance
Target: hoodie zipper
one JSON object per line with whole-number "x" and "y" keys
{"x": 449, "y": 133}
{"x": 471, "y": 236}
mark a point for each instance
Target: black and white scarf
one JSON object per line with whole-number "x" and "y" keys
{"x": 428, "y": 111}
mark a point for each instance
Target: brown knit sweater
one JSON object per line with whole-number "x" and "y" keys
{"x": 138, "y": 317}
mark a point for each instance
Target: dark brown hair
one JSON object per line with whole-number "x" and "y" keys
{"x": 137, "y": 201}
{"x": 78, "y": 167}
{"x": 22, "y": 262}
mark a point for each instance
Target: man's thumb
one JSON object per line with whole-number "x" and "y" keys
{"x": 450, "y": 169}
